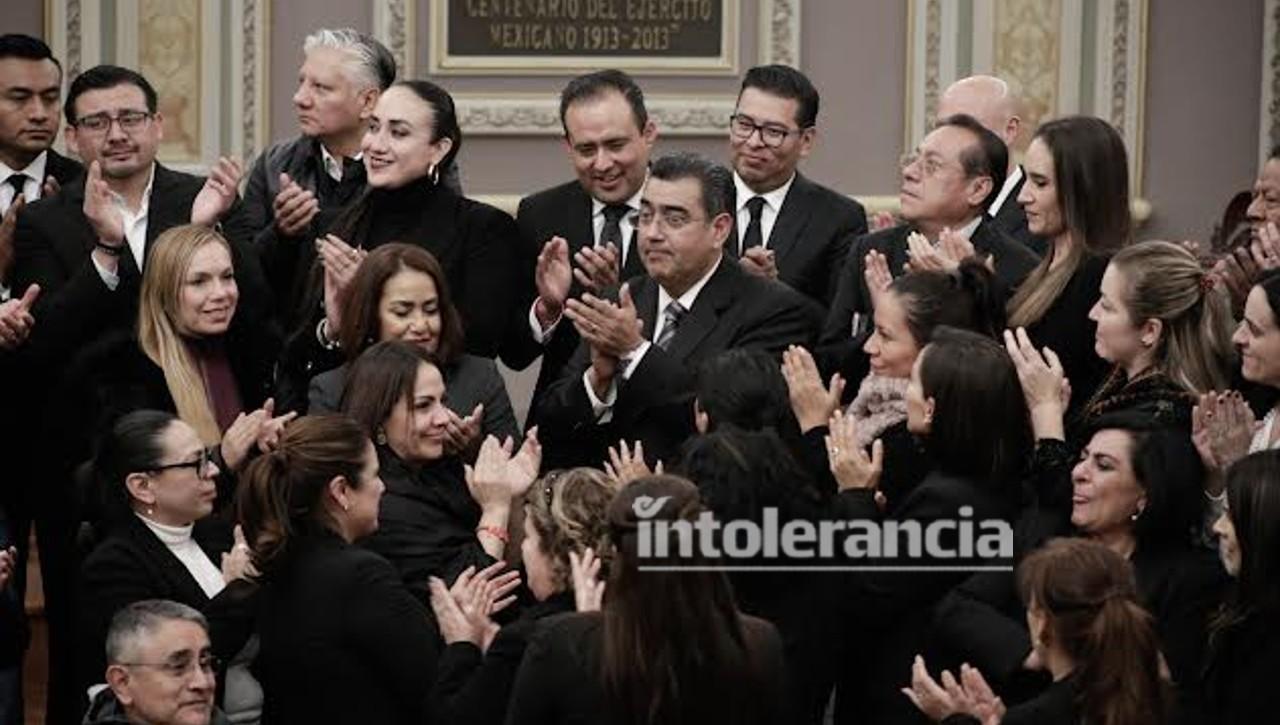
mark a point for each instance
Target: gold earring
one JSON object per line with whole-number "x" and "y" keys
{"x": 380, "y": 437}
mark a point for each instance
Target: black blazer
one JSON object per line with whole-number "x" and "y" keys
{"x": 565, "y": 211}
{"x": 341, "y": 640}
{"x": 811, "y": 237}
{"x": 559, "y": 681}
{"x": 655, "y": 405}
{"x": 426, "y": 522}
{"x": 61, "y": 169}
{"x": 52, "y": 246}
{"x": 1058, "y": 704}
{"x": 132, "y": 565}
{"x": 1240, "y": 672}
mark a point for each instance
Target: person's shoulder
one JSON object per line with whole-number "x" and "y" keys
{"x": 828, "y": 197}
{"x": 567, "y": 629}
{"x": 882, "y": 239}
{"x": 550, "y": 197}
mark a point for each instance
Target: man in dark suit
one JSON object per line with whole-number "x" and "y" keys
{"x": 85, "y": 247}
{"x": 786, "y": 226}
{"x": 989, "y": 100}
{"x": 633, "y": 375}
{"x": 608, "y": 136}
{"x": 30, "y": 104}
{"x": 948, "y": 182}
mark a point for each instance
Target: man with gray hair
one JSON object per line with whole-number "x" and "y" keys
{"x": 160, "y": 668}
{"x": 990, "y": 100}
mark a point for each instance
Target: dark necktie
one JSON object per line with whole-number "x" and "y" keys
{"x": 18, "y": 182}
{"x": 755, "y": 206}
{"x": 670, "y": 321}
{"x": 612, "y": 232}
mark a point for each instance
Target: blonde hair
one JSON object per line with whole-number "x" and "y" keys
{"x": 567, "y": 509}
{"x": 1165, "y": 282}
{"x": 159, "y": 333}
{"x": 1041, "y": 288}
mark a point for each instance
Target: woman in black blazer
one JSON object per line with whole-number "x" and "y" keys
{"x": 1076, "y": 196}
{"x": 413, "y": 133}
{"x": 976, "y": 476}
{"x": 435, "y": 519}
{"x": 1137, "y": 490}
{"x": 191, "y": 354}
{"x": 159, "y": 489}
{"x": 1097, "y": 642}
{"x": 1244, "y": 643}
{"x": 400, "y": 293}
{"x": 667, "y": 646}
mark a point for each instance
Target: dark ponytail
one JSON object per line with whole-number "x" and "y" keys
{"x": 1088, "y": 595}
{"x": 131, "y": 446}
{"x": 969, "y": 298}
{"x": 282, "y": 492}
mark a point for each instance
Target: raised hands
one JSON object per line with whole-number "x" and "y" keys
{"x": 812, "y": 403}
{"x": 852, "y": 467}
{"x": 1043, "y": 383}
{"x": 614, "y": 328}
{"x": 238, "y": 563}
{"x": 16, "y": 320}
{"x": 462, "y": 435}
{"x": 340, "y": 261}
{"x": 464, "y": 611}
{"x": 588, "y": 590}
{"x": 8, "y": 560}
{"x": 952, "y": 247}
{"x": 260, "y": 429}
{"x": 760, "y": 262}
{"x": 498, "y": 475}
{"x": 100, "y": 208}
{"x": 553, "y": 277}
{"x": 627, "y": 464}
{"x": 971, "y": 695}
{"x": 218, "y": 193}
{"x": 294, "y": 207}
{"x": 1222, "y": 427}
{"x": 596, "y": 268}
{"x": 876, "y": 272}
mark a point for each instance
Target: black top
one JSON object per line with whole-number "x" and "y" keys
{"x": 1066, "y": 329}
{"x": 1056, "y": 705}
{"x": 426, "y": 521}
{"x": 342, "y": 640}
{"x": 559, "y": 680}
{"x": 1239, "y": 679}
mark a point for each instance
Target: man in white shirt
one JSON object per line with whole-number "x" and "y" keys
{"x": 633, "y": 375}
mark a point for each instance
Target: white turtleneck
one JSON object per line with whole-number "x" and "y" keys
{"x": 179, "y": 541}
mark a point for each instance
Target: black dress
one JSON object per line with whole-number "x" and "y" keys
{"x": 1066, "y": 329}
{"x": 1239, "y": 679}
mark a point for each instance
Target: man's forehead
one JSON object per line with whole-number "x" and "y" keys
{"x": 26, "y": 73}
{"x": 1269, "y": 178}
{"x": 173, "y": 638}
{"x": 681, "y": 193}
{"x": 125, "y": 95}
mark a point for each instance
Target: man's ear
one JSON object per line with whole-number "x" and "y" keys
{"x": 368, "y": 100}
{"x": 118, "y": 681}
{"x": 977, "y": 190}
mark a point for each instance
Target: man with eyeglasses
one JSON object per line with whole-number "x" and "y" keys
{"x": 786, "y": 226}
{"x": 948, "y": 182}
{"x": 632, "y": 378}
{"x": 160, "y": 668}
{"x": 579, "y": 236}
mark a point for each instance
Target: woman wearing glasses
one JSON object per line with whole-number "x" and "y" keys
{"x": 160, "y": 488}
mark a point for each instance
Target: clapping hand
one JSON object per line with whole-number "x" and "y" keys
{"x": 596, "y": 268}
{"x": 260, "y": 429}
{"x": 464, "y": 611}
{"x": 1043, "y": 383}
{"x": 8, "y": 560}
{"x": 294, "y": 207}
{"x": 877, "y": 275}
{"x": 100, "y": 208}
{"x": 588, "y": 589}
{"x": 852, "y": 467}
{"x": 218, "y": 193}
{"x": 759, "y": 261}
{"x": 811, "y": 401}
{"x": 1222, "y": 427}
{"x": 498, "y": 476}
{"x": 970, "y": 696}
{"x": 627, "y": 464}
{"x": 16, "y": 320}
{"x": 238, "y": 563}
{"x": 553, "y": 277}
{"x": 340, "y": 261}
{"x": 612, "y": 328}
{"x": 462, "y": 435}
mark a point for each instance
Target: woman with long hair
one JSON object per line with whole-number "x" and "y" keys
{"x": 668, "y": 646}
{"x": 977, "y": 471}
{"x": 400, "y": 293}
{"x": 1244, "y": 643}
{"x": 1096, "y": 641}
{"x": 438, "y": 517}
{"x": 1076, "y": 196}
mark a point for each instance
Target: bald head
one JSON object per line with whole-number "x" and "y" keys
{"x": 987, "y": 99}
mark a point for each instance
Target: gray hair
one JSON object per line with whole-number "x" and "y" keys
{"x": 714, "y": 180}
{"x": 141, "y": 619}
{"x": 371, "y": 64}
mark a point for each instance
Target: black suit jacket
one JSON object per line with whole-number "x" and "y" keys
{"x": 655, "y": 405}
{"x": 564, "y": 211}
{"x": 61, "y": 168}
{"x": 1011, "y": 220}
{"x": 53, "y": 243}
{"x": 811, "y": 236}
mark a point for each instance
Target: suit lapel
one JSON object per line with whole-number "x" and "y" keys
{"x": 711, "y": 302}
{"x": 165, "y": 208}
{"x": 579, "y": 230}
{"x": 792, "y": 218}
{"x": 645, "y": 297}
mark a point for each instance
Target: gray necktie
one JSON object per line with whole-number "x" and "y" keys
{"x": 670, "y": 321}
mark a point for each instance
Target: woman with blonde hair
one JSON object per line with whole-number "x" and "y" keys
{"x": 191, "y": 354}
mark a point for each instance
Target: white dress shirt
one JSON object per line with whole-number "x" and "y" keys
{"x": 30, "y": 188}
{"x": 1010, "y": 181}
{"x": 768, "y": 213}
{"x": 332, "y": 166}
{"x": 135, "y": 230}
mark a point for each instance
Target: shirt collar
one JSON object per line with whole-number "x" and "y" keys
{"x": 773, "y": 199}
{"x": 34, "y": 170}
{"x": 332, "y": 166}
{"x": 597, "y": 206}
{"x": 170, "y": 535}
{"x": 967, "y": 230}
{"x": 1010, "y": 181}
{"x": 146, "y": 194}
{"x": 690, "y": 295}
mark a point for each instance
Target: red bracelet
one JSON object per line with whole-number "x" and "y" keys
{"x": 496, "y": 532}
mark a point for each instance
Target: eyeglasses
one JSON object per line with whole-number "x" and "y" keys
{"x": 929, "y": 165}
{"x": 673, "y": 220}
{"x": 770, "y": 135}
{"x": 100, "y": 123}
{"x": 200, "y": 464}
{"x": 182, "y": 665}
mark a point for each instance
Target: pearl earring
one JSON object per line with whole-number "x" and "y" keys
{"x": 380, "y": 437}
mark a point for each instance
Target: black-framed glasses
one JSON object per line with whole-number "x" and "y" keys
{"x": 200, "y": 464}
{"x": 129, "y": 121}
{"x": 182, "y": 665}
{"x": 772, "y": 135}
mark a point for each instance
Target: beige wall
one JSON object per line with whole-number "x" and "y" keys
{"x": 1203, "y": 89}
